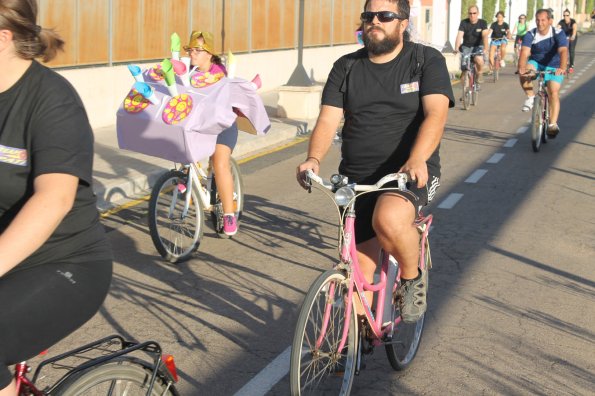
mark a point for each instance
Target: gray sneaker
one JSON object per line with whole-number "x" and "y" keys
{"x": 412, "y": 298}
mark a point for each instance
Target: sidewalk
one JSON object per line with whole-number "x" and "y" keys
{"x": 121, "y": 175}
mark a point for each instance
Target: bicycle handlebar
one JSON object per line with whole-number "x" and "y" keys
{"x": 338, "y": 181}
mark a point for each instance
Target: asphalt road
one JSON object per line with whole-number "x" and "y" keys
{"x": 511, "y": 307}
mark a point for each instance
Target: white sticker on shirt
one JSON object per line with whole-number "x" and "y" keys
{"x": 411, "y": 87}
{"x": 11, "y": 155}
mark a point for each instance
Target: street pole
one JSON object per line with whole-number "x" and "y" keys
{"x": 447, "y": 46}
{"x": 300, "y": 78}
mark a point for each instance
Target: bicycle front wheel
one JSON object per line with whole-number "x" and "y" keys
{"x": 406, "y": 336}
{"x": 238, "y": 198}
{"x": 317, "y": 366}
{"x": 537, "y": 124}
{"x": 175, "y": 217}
{"x": 496, "y": 70}
{"x": 466, "y": 86}
{"x": 120, "y": 377}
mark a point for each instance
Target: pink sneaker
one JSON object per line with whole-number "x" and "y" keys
{"x": 230, "y": 225}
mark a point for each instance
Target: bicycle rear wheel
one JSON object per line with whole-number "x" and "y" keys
{"x": 119, "y": 377}
{"x": 537, "y": 124}
{"x": 176, "y": 231}
{"x": 496, "y": 69}
{"x": 238, "y": 199}
{"x": 466, "y": 86}
{"x": 317, "y": 366}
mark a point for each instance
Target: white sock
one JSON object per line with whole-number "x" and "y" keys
{"x": 229, "y": 214}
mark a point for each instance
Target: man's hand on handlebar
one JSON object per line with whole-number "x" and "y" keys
{"x": 417, "y": 171}
{"x": 310, "y": 163}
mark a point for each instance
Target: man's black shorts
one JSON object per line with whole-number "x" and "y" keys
{"x": 365, "y": 204}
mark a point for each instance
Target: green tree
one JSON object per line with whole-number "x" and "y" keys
{"x": 502, "y": 6}
{"x": 530, "y": 9}
{"x": 539, "y": 4}
{"x": 465, "y": 4}
{"x": 489, "y": 10}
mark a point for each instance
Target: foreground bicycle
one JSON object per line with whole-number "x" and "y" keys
{"x": 177, "y": 206}
{"x": 470, "y": 86}
{"x": 115, "y": 372}
{"x": 329, "y": 342}
{"x": 540, "y": 118}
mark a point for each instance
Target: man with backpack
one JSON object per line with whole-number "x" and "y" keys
{"x": 394, "y": 96}
{"x": 544, "y": 48}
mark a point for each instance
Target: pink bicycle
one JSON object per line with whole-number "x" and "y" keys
{"x": 329, "y": 340}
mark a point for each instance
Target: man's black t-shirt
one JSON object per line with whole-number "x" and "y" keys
{"x": 499, "y": 31}
{"x": 383, "y": 110}
{"x": 44, "y": 129}
{"x": 567, "y": 27}
{"x": 472, "y": 32}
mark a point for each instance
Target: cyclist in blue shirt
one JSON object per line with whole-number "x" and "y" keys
{"x": 544, "y": 48}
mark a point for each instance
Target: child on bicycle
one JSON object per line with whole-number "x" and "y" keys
{"x": 55, "y": 261}
{"x": 499, "y": 32}
{"x": 207, "y": 69}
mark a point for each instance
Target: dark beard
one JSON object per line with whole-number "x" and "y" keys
{"x": 384, "y": 46}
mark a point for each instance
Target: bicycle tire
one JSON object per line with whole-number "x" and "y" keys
{"x": 326, "y": 372}
{"x": 474, "y": 95}
{"x": 120, "y": 376}
{"x": 238, "y": 192}
{"x": 174, "y": 242}
{"x": 466, "y": 91}
{"x": 496, "y": 69}
{"x": 546, "y": 117}
{"x": 407, "y": 336}
{"x": 536, "y": 124}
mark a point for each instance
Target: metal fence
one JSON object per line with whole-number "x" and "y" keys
{"x": 106, "y": 32}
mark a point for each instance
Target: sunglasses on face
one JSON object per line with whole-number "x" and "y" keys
{"x": 383, "y": 16}
{"x": 566, "y": 14}
{"x": 472, "y": 13}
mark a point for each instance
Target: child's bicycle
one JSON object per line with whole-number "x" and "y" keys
{"x": 115, "y": 371}
{"x": 179, "y": 199}
{"x": 329, "y": 342}
{"x": 540, "y": 118}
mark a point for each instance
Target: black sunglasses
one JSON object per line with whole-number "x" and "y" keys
{"x": 566, "y": 14}
{"x": 383, "y": 16}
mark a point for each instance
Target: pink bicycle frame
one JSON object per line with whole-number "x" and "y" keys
{"x": 349, "y": 258}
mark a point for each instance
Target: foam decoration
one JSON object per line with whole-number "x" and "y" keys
{"x": 156, "y": 73}
{"x": 231, "y": 65}
{"x": 257, "y": 82}
{"x": 179, "y": 67}
{"x": 135, "y": 102}
{"x": 168, "y": 72}
{"x": 186, "y": 77}
{"x": 146, "y": 91}
{"x": 136, "y": 73}
{"x": 177, "y": 109}
{"x": 176, "y": 45}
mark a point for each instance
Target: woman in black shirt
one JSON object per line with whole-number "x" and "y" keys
{"x": 499, "y": 32}
{"x": 55, "y": 261}
{"x": 569, "y": 26}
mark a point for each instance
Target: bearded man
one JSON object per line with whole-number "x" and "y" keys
{"x": 395, "y": 96}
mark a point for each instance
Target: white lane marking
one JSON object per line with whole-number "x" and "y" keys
{"x": 529, "y": 120}
{"x": 510, "y": 142}
{"x": 268, "y": 377}
{"x": 475, "y": 176}
{"x": 563, "y": 91}
{"x": 522, "y": 129}
{"x": 450, "y": 201}
{"x": 570, "y": 82}
{"x": 494, "y": 159}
